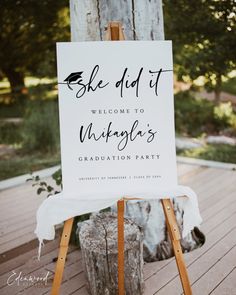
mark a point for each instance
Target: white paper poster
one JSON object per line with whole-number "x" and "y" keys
{"x": 116, "y": 117}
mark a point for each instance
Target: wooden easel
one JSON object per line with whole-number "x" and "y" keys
{"x": 115, "y": 32}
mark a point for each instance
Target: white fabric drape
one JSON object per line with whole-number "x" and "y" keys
{"x": 61, "y": 207}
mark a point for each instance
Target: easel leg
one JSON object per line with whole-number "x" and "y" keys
{"x": 175, "y": 239}
{"x": 62, "y": 256}
{"x": 121, "y": 264}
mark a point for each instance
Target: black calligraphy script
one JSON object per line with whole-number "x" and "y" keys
{"x": 125, "y": 136}
{"x": 76, "y": 78}
{"x": 95, "y": 83}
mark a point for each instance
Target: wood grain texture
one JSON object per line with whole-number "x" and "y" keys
{"x": 118, "y": 10}
{"x": 98, "y": 239}
{"x": 121, "y": 244}
{"x": 198, "y": 260}
{"x": 226, "y": 286}
{"x": 141, "y": 20}
{"x": 148, "y": 20}
{"x": 84, "y": 20}
{"x": 174, "y": 233}
{"x": 64, "y": 244}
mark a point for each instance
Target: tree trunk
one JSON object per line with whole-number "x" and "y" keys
{"x": 217, "y": 90}
{"x": 16, "y": 80}
{"x": 98, "y": 240}
{"x": 217, "y": 96}
{"x": 142, "y": 20}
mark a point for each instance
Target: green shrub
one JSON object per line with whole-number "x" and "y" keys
{"x": 193, "y": 117}
{"x": 230, "y": 86}
{"x": 214, "y": 152}
{"x": 25, "y": 163}
{"x": 42, "y": 92}
{"x": 225, "y": 115}
{"x": 10, "y": 133}
{"x": 12, "y": 110}
{"x": 41, "y": 128}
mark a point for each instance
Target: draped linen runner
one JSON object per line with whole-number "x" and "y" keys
{"x": 58, "y": 208}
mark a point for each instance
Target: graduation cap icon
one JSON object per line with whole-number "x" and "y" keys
{"x": 73, "y": 77}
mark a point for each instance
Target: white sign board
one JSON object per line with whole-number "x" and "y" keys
{"x": 116, "y": 117}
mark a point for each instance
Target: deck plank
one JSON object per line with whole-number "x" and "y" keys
{"x": 73, "y": 268}
{"x": 19, "y": 205}
{"x": 212, "y": 268}
{"x": 82, "y": 291}
{"x": 207, "y": 282}
{"x": 169, "y": 274}
{"x": 226, "y": 286}
{"x": 22, "y": 259}
{"x": 40, "y": 268}
{"x": 200, "y": 265}
{"x": 211, "y": 226}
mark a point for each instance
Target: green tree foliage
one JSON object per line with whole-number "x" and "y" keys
{"x": 204, "y": 37}
{"x": 29, "y": 30}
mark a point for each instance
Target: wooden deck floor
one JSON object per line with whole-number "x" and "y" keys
{"x": 18, "y": 206}
{"x": 212, "y": 268}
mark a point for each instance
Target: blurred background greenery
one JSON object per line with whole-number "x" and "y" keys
{"x": 203, "y": 34}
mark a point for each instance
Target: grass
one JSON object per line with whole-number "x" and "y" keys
{"x": 10, "y": 133}
{"x": 40, "y": 130}
{"x": 12, "y": 110}
{"x": 35, "y": 138}
{"x": 214, "y": 152}
{"x": 29, "y": 81}
{"x": 14, "y": 105}
{"x": 24, "y": 164}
